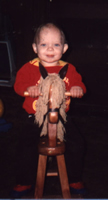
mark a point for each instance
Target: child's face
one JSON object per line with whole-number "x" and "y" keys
{"x": 50, "y": 46}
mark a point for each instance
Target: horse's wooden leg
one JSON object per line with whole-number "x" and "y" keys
{"x": 40, "y": 176}
{"x": 63, "y": 176}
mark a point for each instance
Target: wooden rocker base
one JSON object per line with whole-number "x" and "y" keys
{"x": 44, "y": 152}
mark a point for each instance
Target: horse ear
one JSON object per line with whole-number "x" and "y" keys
{"x": 63, "y": 71}
{"x": 43, "y": 71}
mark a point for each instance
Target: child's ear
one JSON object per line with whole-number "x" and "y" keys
{"x": 34, "y": 47}
{"x": 65, "y": 48}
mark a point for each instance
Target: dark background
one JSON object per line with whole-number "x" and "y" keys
{"x": 85, "y": 23}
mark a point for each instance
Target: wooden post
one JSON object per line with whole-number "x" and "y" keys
{"x": 63, "y": 176}
{"x": 40, "y": 176}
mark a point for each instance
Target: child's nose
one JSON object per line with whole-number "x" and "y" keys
{"x": 50, "y": 47}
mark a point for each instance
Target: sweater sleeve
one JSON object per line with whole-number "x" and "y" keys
{"x": 75, "y": 79}
{"x": 24, "y": 79}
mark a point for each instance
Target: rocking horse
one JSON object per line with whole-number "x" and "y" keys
{"x": 53, "y": 144}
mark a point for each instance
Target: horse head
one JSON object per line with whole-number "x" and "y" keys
{"x": 51, "y": 105}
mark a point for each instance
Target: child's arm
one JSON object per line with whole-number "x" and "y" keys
{"x": 27, "y": 80}
{"x": 76, "y": 91}
{"x": 76, "y": 86}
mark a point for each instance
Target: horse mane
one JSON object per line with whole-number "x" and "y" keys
{"x": 58, "y": 96}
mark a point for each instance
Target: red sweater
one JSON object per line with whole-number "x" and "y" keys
{"x": 29, "y": 75}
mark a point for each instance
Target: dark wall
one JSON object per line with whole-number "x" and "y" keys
{"x": 19, "y": 19}
{"x": 86, "y": 28}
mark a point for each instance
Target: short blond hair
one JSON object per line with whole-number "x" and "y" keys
{"x": 48, "y": 25}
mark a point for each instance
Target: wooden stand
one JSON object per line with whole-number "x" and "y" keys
{"x": 51, "y": 147}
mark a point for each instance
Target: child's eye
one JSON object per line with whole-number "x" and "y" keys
{"x": 57, "y": 45}
{"x": 43, "y": 45}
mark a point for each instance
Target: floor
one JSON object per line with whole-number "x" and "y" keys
{"x": 94, "y": 127}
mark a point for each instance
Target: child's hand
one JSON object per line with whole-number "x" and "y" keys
{"x": 76, "y": 91}
{"x": 33, "y": 91}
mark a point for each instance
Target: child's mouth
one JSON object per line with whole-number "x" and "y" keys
{"x": 50, "y": 56}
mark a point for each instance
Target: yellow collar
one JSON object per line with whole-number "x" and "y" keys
{"x": 36, "y": 61}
